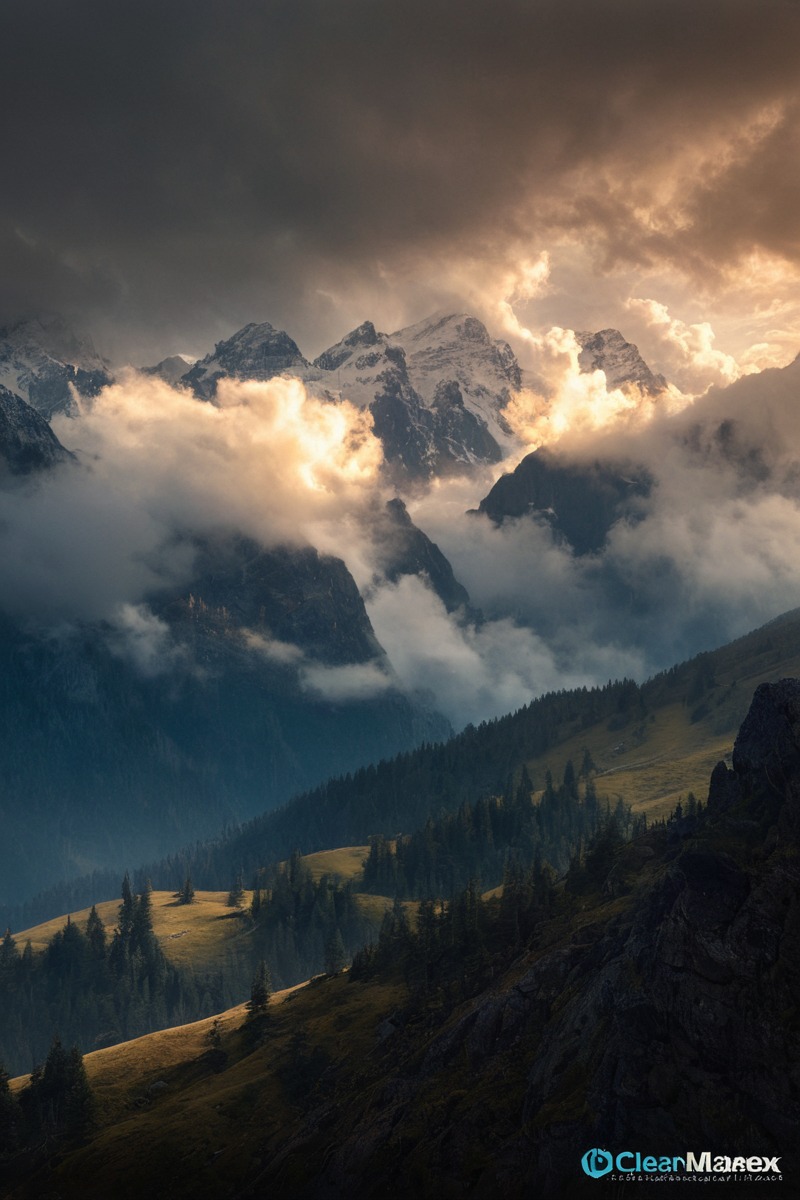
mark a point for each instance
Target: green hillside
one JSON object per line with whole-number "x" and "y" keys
{"x": 650, "y": 746}
{"x": 483, "y": 1051}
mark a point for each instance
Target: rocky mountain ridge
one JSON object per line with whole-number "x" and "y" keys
{"x": 42, "y": 360}
{"x": 27, "y": 443}
{"x": 258, "y": 677}
{"x": 436, "y": 389}
{"x": 620, "y": 360}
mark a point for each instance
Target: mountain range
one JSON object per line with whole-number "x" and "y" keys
{"x": 624, "y": 975}
{"x": 259, "y": 673}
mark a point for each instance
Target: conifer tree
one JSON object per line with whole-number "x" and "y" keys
{"x": 236, "y": 894}
{"x": 96, "y": 933}
{"x": 260, "y": 991}
{"x": 79, "y": 1098}
{"x": 8, "y": 950}
{"x": 126, "y": 908}
{"x": 186, "y": 894}
{"x": 142, "y": 928}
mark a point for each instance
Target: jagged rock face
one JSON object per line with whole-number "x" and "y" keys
{"x": 458, "y": 349}
{"x": 581, "y": 501}
{"x": 403, "y": 549}
{"x": 255, "y": 352}
{"x": 294, "y": 594}
{"x": 356, "y": 346}
{"x": 41, "y": 360}
{"x": 608, "y": 351}
{"x": 27, "y": 443}
{"x": 436, "y": 391}
{"x": 435, "y": 414}
{"x": 403, "y": 425}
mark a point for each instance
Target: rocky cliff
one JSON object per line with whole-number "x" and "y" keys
{"x": 27, "y": 443}
{"x": 659, "y": 1016}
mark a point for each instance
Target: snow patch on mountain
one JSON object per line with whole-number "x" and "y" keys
{"x": 254, "y": 352}
{"x": 42, "y": 360}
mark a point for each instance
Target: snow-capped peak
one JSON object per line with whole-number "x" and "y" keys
{"x": 608, "y": 351}
{"x": 257, "y": 351}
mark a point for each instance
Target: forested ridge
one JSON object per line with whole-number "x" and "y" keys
{"x": 395, "y": 796}
{"x": 96, "y": 986}
{"x": 398, "y": 795}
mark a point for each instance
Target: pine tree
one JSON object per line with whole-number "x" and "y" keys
{"x": 142, "y": 928}
{"x": 79, "y": 1099}
{"x": 126, "y": 908}
{"x": 186, "y": 894}
{"x": 8, "y": 951}
{"x": 236, "y": 894}
{"x": 215, "y": 1054}
{"x": 260, "y": 991}
{"x": 96, "y": 934}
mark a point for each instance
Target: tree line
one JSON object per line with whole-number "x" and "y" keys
{"x": 394, "y": 796}
{"x": 479, "y": 840}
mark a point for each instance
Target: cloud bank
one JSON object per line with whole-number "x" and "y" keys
{"x": 716, "y": 554}
{"x": 171, "y": 176}
{"x": 156, "y": 465}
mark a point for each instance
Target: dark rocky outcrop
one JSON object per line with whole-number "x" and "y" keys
{"x": 125, "y": 741}
{"x": 403, "y": 549}
{"x": 295, "y": 594}
{"x": 27, "y": 443}
{"x": 580, "y": 500}
{"x": 666, "y": 1021}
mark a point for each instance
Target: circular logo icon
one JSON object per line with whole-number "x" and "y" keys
{"x": 597, "y": 1163}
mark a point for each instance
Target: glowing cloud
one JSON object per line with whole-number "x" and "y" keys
{"x": 266, "y": 458}
{"x": 268, "y": 461}
{"x": 572, "y": 401}
{"x": 696, "y": 364}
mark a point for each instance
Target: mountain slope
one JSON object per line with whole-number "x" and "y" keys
{"x": 258, "y": 678}
{"x": 652, "y": 1009}
{"x": 258, "y": 351}
{"x": 435, "y": 390}
{"x": 581, "y": 501}
{"x": 27, "y": 443}
{"x": 649, "y": 747}
{"x": 608, "y": 351}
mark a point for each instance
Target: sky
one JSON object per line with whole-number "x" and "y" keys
{"x": 173, "y": 170}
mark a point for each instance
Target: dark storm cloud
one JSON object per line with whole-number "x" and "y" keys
{"x": 200, "y": 163}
